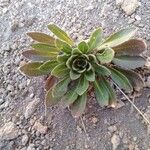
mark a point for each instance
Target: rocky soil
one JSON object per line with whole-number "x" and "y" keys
{"x": 24, "y": 123}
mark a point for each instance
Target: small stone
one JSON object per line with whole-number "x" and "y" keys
{"x": 8, "y": 131}
{"x": 147, "y": 83}
{"x": 79, "y": 129}
{"x": 94, "y": 120}
{"x": 112, "y": 128}
{"x": 40, "y": 128}
{"x": 137, "y": 17}
{"x": 129, "y": 6}
{"x": 31, "y": 107}
{"x": 25, "y": 139}
{"x": 115, "y": 140}
{"x": 31, "y": 147}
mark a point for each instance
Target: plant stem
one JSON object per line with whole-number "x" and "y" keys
{"x": 144, "y": 117}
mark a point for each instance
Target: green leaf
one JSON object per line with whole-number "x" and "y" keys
{"x": 45, "y": 48}
{"x": 62, "y": 58}
{"x": 101, "y": 93}
{"x": 70, "y": 60}
{"x": 60, "y": 70}
{"x": 69, "y": 97}
{"x": 111, "y": 92}
{"x": 76, "y": 51}
{"x": 32, "y": 69}
{"x": 37, "y": 56}
{"x": 129, "y": 62}
{"x": 78, "y": 107}
{"x": 133, "y": 47}
{"x": 102, "y": 70}
{"x": 50, "y": 82}
{"x": 60, "y": 34}
{"x": 50, "y": 100}
{"x": 107, "y": 55}
{"x": 61, "y": 87}
{"x": 95, "y": 39}
{"x": 48, "y": 66}
{"x": 120, "y": 79}
{"x": 90, "y": 75}
{"x": 83, "y": 47}
{"x": 134, "y": 78}
{"x": 118, "y": 38}
{"x": 74, "y": 75}
{"x": 82, "y": 86}
{"x": 63, "y": 46}
{"x": 42, "y": 37}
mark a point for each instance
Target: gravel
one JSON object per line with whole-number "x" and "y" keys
{"x": 23, "y": 122}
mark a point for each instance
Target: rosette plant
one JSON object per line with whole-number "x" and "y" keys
{"x": 74, "y": 69}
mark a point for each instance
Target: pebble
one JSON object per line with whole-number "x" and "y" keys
{"x": 1, "y": 101}
{"x": 31, "y": 107}
{"x": 94, "y": 120}
{"x": 9, "y": 131}
{"x": 25, "y": 139}
{"x": 112, "y": 128}
{"x": 128, "y": 6}
{"x": 115, "y": 140}
{"x": 40, "y": 128}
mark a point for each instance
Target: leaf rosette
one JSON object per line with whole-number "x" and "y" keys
{"x": 76, "y": 69}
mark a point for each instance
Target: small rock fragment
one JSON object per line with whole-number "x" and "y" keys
{"x": 8, "y": 131}
{"x": 112, "y": 128}
{"x": 129, "y": 6}
{"x": 31, "y": 107}
{"x": 25, "y": 139}
{"x": 94, "y": 120}
{"x": 40, "y": 128}
{"x": 115, "y": 140}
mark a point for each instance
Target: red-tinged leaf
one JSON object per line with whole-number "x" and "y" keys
{"x": 32, "y": 69}
{"x": 42, "y": 37}
{"x": 37, "y": 56}
{"x": 50, "y": 82}
{"x": 79, "y": 105}
{"x": 50, "y": 100}
{"x": 129, "y": 62}
{"x": 41, "y": 47}
{"x": 133, "y": 47}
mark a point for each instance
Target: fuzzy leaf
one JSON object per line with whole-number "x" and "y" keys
{"x": 82, "y": 86}
{"x": 111, "y": 92}
{"x": 60, "y": 70}
{"x": 134, "y": 78}
{"x": 78, "y": 107}
{"x": 133, "y": 47}
{"x": 45, "y": 48}
{"x": 129, "y": 62}
{"x": 62, "y": 58}
{"x": 69, "y": 97}
{"x": 76, "y": 51}
{"x": 42, "y": 37}
{"x": 83, "y": 47}
{"x": 32, "y": 69}
{"x": 60, "y": 33}
{"x": 107, "y": 56}
{"x": 121, "y": 80}
{"x": 74, "y": 75}
{"x": 50, "y": 100}
{"x": 69, "y": 61}
{"x": 48, "y": 66}
{"x": 101, "y": 93}
{"x": 50, "y": 81}
{"x": 95, "y": 39}
{"x": 37, "y": 56}
{"x": 61, "y": 87}
{"x": 63, "y": 46}
{"x": 102, "y": 70}
{"x": 118, "y": 38}
{"x": 90, "y": 75}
